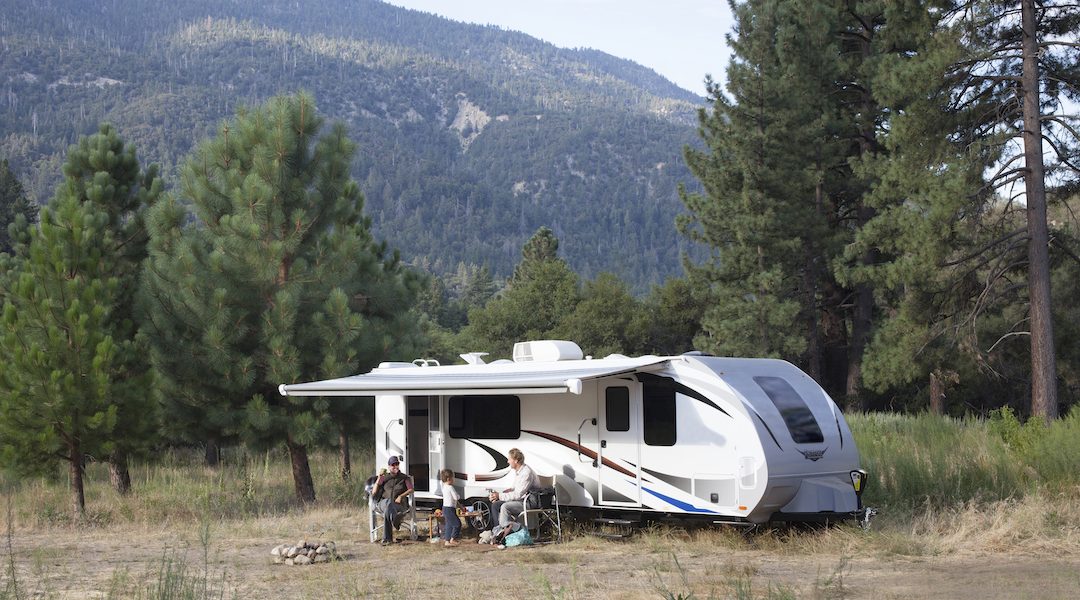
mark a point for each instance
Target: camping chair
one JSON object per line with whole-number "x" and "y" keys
{"x": 375, "y": 516}
{"x": 542, "y": 509}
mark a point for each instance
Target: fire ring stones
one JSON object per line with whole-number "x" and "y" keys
{"x": 304, "y": 553}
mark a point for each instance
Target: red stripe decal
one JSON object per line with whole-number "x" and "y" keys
{"x": 583, "y": 450}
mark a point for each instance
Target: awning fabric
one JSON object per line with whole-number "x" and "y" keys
{"x": 490, "y": 379}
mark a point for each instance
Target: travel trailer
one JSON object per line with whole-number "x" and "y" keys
{"x": 732, "y": 440}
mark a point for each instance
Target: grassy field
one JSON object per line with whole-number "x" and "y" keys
{"x": 969, "y": 509}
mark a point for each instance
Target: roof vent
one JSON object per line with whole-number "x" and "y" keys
{"x": 546, "y": 351}
{"x": 473, "y": 358}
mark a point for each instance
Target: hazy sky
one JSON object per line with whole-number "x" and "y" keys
{"x": 679, "y": 39}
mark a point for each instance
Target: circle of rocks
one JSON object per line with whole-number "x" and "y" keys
{"x": 304, "y": 552}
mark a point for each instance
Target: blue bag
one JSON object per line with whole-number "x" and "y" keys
{"x": 520, "y": 537}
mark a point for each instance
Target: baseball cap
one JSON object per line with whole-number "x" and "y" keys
{"x": 393, "y": 460}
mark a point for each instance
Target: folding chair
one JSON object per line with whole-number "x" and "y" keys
{"x": 375, "y": 516}
{"x": 542, "y": 509}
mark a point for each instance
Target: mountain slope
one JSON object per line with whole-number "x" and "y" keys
{"x": 470, "y": 137}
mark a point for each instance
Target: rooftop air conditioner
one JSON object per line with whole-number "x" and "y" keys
{"x": 546, "y": 351}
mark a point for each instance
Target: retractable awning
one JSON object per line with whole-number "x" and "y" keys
{"x": 493, "y": 379}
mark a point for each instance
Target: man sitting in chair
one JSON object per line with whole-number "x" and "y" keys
{"x": 391, "y": 492}
{"x": 509, "y": 503}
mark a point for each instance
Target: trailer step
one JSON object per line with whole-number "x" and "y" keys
{"x": 619, "y": 522}
{"x": 611, "y": 536}
{"x": 614, "y": 529}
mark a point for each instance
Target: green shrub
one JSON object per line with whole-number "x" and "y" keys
{"x": 1054, "y": 451}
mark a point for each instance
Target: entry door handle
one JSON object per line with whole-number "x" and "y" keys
{"x": 579, "y": 437}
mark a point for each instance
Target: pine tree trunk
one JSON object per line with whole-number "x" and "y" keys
{"x": 213, "y": 452}
{"x": 862, "y": 319}
{"x": 811, "y": 274}
{"x": 937, "y": 394}
{"x": 301, "y": 471}
{"x": 343, "y": 454}
{"x": 78, "y": 496}
{"x": 119, "y": 474}
{"x": 1044, "y": 401}
{"x": 860, "y": 335}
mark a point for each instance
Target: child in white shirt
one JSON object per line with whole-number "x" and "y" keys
{"x": 452, "y": 524}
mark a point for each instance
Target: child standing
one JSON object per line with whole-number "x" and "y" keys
{"x": 450, "y": 498}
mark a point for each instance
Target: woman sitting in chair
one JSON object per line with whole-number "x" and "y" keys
{"x": 391, "y": 492}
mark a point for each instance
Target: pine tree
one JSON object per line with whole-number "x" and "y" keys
{"x": 768, "y": 211}
{"x": 978, "y": 82}
{"x": 541, "y": 293}
{"x": 541, "y": 248}
{"x": 606, "y": 320}
{"x": 188, "y": 324}
{"x": 674, "y": 317}
{"x": 276, "y": 280}
{"x": 73, "y": 378}
{"x": 13, "y": 203}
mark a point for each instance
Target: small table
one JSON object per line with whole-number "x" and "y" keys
{"x": 432, "y": 519}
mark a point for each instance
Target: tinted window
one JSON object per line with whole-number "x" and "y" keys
{"x": 658, "y": 407}
{"x": 617, "y": 409}
{"x": 797, "y": 416}
{"x": 484, "y": 417}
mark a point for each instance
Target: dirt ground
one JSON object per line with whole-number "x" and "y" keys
{"x": 89, "y": 562}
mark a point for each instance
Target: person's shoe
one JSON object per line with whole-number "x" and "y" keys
{"x": 387, "y": 542}
{"x": 450, "y": 544}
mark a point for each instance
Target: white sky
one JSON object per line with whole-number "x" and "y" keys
{"x": 679, "y": 39}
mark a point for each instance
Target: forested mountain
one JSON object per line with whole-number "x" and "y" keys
{"x": 470, "y": 137}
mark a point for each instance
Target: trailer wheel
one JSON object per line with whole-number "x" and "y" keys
{"x": 482, "y": 521}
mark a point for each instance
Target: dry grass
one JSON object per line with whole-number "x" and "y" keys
{"x": 1024, "y": 545}
{"x": 659, "y": 562}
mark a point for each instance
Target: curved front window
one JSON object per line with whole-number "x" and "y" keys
{"x": 797, "y": 416}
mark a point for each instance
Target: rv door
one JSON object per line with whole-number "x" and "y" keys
{"x": 418, "y": 442}
{"x": 618, "y": 447}
{"x": 436, "y": 457}
{"x": 389, "y": 429}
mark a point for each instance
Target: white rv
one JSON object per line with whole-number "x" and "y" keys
{"x": 727, "y": 439}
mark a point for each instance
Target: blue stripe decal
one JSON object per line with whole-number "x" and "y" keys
{"x": 679, "y": 503}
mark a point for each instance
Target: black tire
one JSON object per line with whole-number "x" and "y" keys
{"x": 482, "y": 521}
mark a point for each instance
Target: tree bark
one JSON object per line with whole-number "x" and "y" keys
{"x": 119, "y": 474}
{"x": 1044, "y": 401}
{"x": 343, "y": 454}
{"x": 862, "y": 321}
{"x": 937, "y": 394}
{"x": 213, "y": 452}
{"x": 815, "y": 355}
{"x": 78, "y": 495}
{"x": 301, "y": 470}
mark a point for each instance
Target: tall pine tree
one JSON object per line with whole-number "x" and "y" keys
{"x": 769, "y": 211}
{"x": 73, "y": 378}
{"x": 976, "y": 96}
{"x": 277, "y": 279}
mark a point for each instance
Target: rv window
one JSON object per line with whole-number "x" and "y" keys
{"x": 484, "y": 417}
{"x": 797, "y": 416}
{"x": 617, "y": 409}
{"x": 658, "y": 406}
